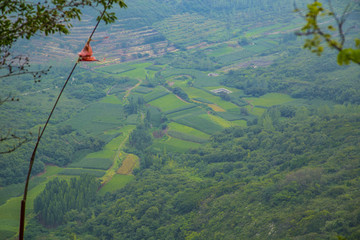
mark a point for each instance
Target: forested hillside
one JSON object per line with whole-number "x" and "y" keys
{"x": 204, "y": 119}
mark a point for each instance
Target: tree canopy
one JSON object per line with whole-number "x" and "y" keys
{"x": 23, "y": 19}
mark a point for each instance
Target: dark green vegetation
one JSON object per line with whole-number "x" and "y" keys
{"x": 60, "y": 197}
{"x": 248, "y": 183}
{"x": 276, "y": 157}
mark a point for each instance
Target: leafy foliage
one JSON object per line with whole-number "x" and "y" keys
{"x": 59, "y": 197}
{"x": 312, "y": 28}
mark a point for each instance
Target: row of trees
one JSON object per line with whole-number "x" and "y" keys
{"x": 59, "y": 197}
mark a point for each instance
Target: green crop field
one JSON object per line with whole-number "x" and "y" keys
{"x": 200, "y": 122}
{"x": 220, "y": 121}
{"x": 187, "y": 112}
{"x": 190, "y": 29}
{"x": 231, "y": 116}
{"x": 117, "y": 68}
{"x": 179, "y": 109}
{"x": 98, "y": 118}
{"x": 168, "y": 102}
{"x": 188, "y": 130}
{"x": 198, "y": 93}
{"x": 117, "y": 182}
{"x": 111, "y": 99}
{"x": 92, "y": 163}
{"x": 186, "y": 137}
{"x": 270, "y": 99}
{"x": 158, "y": 92}
{"x": 78, "y": 171}
{"x": 143, "y": 90}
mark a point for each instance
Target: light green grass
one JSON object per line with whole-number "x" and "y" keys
{"x": 168, "y": 102}
{"x": 201, "y": 122}
{"x": 188, "y": 130}
{"x": 270, "y": 99}
{"x": 117, "y": 182}
{"x": 240, "y": 123}
{"x": 92, "y": 163}
{"x": 158, "y": 92}
{"x": 116, "y": 68}
{"x": 98, "y": 118}
{"x": 198, "y": 93}
{"x": 220, "y": 121}
{"x": 111, "y": 99}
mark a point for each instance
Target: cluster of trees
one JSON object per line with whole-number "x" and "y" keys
{"x": 134, "y": 105}
{"x": 140, "y": 138}
{"x": 179, "y": 92}
{"x": 53, "y": 205}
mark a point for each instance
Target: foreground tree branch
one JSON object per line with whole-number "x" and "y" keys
{"x": 322, "y": 34}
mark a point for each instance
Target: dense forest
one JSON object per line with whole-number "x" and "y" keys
{"x": 204, "y": 120}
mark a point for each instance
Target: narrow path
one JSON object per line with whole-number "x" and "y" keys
{"x": 116, "y": 161}
{"x": 130, "y": 89}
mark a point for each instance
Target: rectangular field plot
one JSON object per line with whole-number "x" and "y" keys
{"x": 117, "y": 182}
{"x": 220, "y": 121}
{"x": 93, "y": 163}
{"x": 155, "y": 94}
{"x": 143, "y": 90}
{"x": 97, "y": 118}
{"x": 270, "y": 99}
{"x": 179, "y": 109}
{"x": 175, "y": 145}
{"x": 78, "y": 171}
{"x": 186, "y": 112}
{"x": 117, "y": 68}
{"x": 198, "y": 93}
{"x": 188, "y": 130}
{"x": 168, "y": 102}
{"x": 200, "y": 122}
{"x": 186, "y": 137}
{"x": 111, "y": 99}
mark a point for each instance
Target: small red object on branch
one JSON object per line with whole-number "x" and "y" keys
{"x": 87, "y": 54}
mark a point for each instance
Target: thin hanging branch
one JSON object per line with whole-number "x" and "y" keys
{"x": 41, "y": 132}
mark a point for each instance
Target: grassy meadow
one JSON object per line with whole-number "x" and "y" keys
{"x": 168, "y": 102}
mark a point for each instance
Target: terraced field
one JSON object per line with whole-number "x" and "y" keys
{"x": 190, "y": 29}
